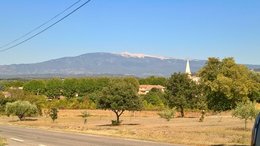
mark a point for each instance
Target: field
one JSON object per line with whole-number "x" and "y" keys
{"x": 147, "y": 125}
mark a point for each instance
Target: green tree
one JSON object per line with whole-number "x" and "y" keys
{"x": 227, "y": 83}
{"x": 119, "y": 96}
{"x": 86, "y": 86}
{"x": 155, "y": 98}
{"x": 53, "y": 88}
{"x": 69, "y": 87}
{"x": 21, "y": 109}
{"x": 152, "y": 80}
{"x": 35, "y": 86}
{"x": 246, "y": 111}
{"x": 182, "y": 91}
{"x": 3, "y": 101}
{"x": 14, "y": 83}
{"x": 90, "y": 85}
{"x": 53, "y": 114}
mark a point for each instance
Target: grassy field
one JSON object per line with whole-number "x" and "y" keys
{"x": 147, "y": 125}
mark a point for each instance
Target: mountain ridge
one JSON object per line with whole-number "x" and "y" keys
{"x": 102, "y": 63}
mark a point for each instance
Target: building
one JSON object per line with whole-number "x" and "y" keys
{"x": 188, "y": 71}
{"x": 144, "y": 89}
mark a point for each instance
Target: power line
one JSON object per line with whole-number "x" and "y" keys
{"x": 31, "y": 37}
{"x": 38, "y": 27}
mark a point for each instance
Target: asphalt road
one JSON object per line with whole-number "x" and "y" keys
{"x": 20, "y": 136}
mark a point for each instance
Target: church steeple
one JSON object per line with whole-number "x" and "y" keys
{"x": 187, "y": 71}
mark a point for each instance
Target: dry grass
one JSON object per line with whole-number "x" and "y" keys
{"x": 148, "y": 125}
{"x": 2, "y": 141}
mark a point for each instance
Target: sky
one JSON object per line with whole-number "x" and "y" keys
{"x": 194, "y": 29}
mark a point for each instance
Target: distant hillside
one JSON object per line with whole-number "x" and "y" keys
{"x": 257, "y": 69}
{"x": 103, "y": 64}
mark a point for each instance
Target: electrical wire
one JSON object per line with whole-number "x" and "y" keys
{"x": 31, "y": 37}
{"x": 38, "y": 27}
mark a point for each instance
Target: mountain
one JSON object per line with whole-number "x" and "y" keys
{"x": 102, "y": 64}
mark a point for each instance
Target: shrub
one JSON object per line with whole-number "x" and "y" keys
{"x": 53, "y": 114}
{"x": 246, "y": 111}
{"x": 85, "y": 115}
{"x": 21, "y": 109}
{"x": 168, "y": 114}
{"x": 115, "y": 122}
{"x": 3, "y": 102}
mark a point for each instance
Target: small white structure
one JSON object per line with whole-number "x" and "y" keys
{"x": 188, "y": 71}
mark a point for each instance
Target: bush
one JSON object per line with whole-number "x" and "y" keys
{"x": 53, "y": 114}
{"x": 115, "y": 122}
{"x": 168, "y": 114}
{"x": 151, "y": 107}
{"x": 73, "y": 103}
{"x": 246, "y": 111}
{"x": 3, "y": 102}
{"x": 85, "y": 115}
{"x": 21, "y": 109}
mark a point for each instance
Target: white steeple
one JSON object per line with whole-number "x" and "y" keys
{"x": 187, "y": 71}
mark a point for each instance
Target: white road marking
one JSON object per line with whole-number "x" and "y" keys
{"x": 16, "y": 139}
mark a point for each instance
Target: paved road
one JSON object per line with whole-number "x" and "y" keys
{"x": 19, "y": 136}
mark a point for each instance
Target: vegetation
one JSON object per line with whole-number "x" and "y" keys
{"x": 154, "y": 100}
{"x": 167, "y": 114}
{"x": 119, "y": 96}
{"x": 245, "y": 111}
{"x": 54, "y": 88}
{"x": 21, "y": 109}
{"x": 182, "y": 92}
{"x": 85, "y": 115}
{"x": 152, "y": 80}
{"x": 53, "y": 114}
{"x": 202, "y": 116}
{"x": 3, "y": 102}
{"x": 223, "y": 85}
{"x": 36, "y": 87}
{"x": 69, "y": 88}
{"x": 2, "y": 141}
{"x": 227, "y": 84}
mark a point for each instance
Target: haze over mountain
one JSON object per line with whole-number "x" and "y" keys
{"x": 103, "y": 64}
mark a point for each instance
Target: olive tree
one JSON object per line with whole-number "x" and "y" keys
{"x": 246, "y": 111}
{"x": 21, "y": 109}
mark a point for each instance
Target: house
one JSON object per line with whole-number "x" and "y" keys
{"x": 144, "y": 89}
{"x": 16, "y": 88}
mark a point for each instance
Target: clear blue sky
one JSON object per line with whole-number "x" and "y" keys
{"x": 195, "y": 29}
